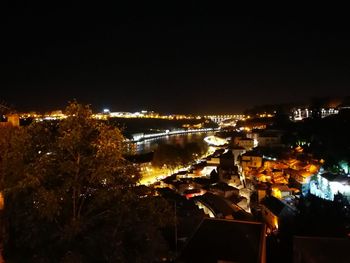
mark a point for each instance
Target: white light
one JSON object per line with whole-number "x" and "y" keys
{"x": 325, "y": 189}
{"x": 215, "y": 141}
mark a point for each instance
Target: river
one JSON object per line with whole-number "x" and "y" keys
{"x": 150, "y": 145}
{"x": 152, "y": 174}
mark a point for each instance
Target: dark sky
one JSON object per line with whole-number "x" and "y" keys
{"x": 194, "y": 58}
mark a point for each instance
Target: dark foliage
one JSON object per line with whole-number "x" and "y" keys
{"x": 70, "y": 196}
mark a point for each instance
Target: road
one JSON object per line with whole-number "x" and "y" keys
{"x": 150, "y": 174}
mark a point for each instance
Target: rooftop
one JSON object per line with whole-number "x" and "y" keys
{"x": 321, "y": 250}
{"x": 222, "y": 186}
{"x": 273, "y": 204}
{"x": 221, "y": 206}
{"x": 226, "y": 240}
{"x": 341, "y": 178}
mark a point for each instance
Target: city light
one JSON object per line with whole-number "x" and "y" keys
{"x": 215, "y": 141}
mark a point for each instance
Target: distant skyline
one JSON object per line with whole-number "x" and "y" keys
{"x": 168, "y": 58}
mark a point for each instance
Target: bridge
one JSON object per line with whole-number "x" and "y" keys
{"x": 220, "y": 118}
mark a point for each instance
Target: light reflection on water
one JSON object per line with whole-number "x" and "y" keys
{"x": 180, "y": 139}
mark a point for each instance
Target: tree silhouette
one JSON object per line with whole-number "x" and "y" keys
{"x": 70, "y": 196}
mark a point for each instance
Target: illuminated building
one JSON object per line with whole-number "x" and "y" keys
{"x": 282, "y": 191}
{"x": 301, "y": 174}
{"x": 147, "y": 114}
{"x": 303, "y": 113}
{"x": 12, "y": 120}
{"x": 251, "y": 160}
{"x": 224, "y": 117}
{"x": 326, "y": 185}
{"x": 246, "y": 143}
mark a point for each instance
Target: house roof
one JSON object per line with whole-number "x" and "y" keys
{"x": 215, "y": 203}
{"x": 220, "y": 205}
{"x": 321, "y": 250}
{"x": 342, "y": 178}
{"x": 273, "y": 204}
{"x": 222, "y": 186}
{"x": 225, "y": 240}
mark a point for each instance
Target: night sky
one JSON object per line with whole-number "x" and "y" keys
{"x": 168, "y": 58}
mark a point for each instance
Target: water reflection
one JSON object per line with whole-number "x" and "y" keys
{"x": 180, "y": 139}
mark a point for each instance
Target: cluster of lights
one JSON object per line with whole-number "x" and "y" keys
{"x": 266, "y": 115}
{"x": 144, "y": 114}
{"x": 215, "y": 141}
{"x": 269, "y": 158}
{"x": 58, "y": 115}
{"x": 54, "y": 115}
{"x": 224, "y": 117}
{"x": 106, "y": 113}
{"x": 327, "y": 189}
{"x": 300, "y": 114}
{"x": 141, "y": 136}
